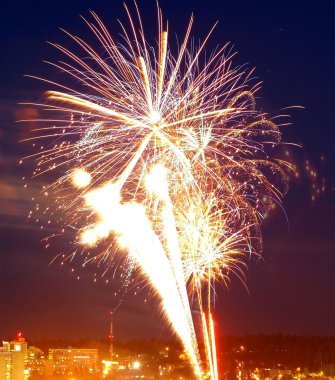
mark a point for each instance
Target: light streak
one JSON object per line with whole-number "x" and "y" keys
{"x": 213, "y": 347}
{"x": 208, "y": 348}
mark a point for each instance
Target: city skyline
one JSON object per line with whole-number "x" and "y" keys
{"x": 263, "y": 357}
{"x": 290, "y": 291}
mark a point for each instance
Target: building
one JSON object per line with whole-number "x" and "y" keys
{"x": 35, "y": 361}
{"x": 275, "y": 374}
{"x": 5, "y": 363}
{"x": 67, "y": 360}
{"x": 12, "y": 359}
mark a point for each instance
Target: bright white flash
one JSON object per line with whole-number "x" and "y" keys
{"x": 154, "y": 117}
{"x": 81, "y": 178}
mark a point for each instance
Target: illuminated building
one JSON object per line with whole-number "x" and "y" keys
{"x": 35, "y": 362}
{"x": 126, "y": 367}
{"x": 12, "y": 359}
{"x": 66, "y": 360}
{"x": 275, "y": 373}
{"x": 5, "y": 363}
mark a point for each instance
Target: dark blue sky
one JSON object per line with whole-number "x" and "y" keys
{"x": 292, "y": 290}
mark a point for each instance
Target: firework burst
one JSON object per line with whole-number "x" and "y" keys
{"x": 165, "y": 156}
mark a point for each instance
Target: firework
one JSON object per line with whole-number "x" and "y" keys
{"x": 166, "y": 157}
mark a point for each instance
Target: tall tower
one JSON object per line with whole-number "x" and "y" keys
{"x": 111, "y": 337}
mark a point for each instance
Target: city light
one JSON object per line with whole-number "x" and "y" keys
{"x": 136, "y": 364}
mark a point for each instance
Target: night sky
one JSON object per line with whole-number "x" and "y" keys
{"x": 291, "y": 290}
